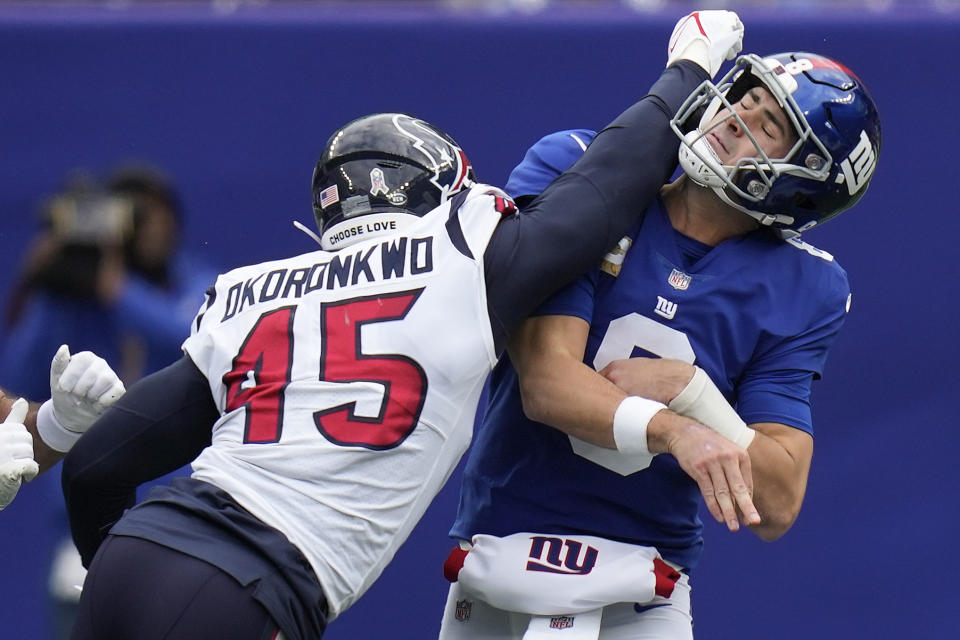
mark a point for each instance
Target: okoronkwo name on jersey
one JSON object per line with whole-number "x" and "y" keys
{"x": 389, "y": 260}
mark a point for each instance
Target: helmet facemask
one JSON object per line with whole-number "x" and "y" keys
{"x": 746, "y": 184}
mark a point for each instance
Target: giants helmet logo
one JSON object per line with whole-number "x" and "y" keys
{"x": 859, "y": 165}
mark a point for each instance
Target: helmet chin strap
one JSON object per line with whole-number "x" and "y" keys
{"x": 700, "y": 161}
{"x": 765, "y": 219}
{"x": 306, "y": 230}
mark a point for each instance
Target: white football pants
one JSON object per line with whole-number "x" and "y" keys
{"x": 466, "y": 618}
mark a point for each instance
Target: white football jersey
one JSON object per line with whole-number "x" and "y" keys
{"x": 348, "y": 383}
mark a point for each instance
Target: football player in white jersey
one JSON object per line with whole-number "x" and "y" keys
{"x": 33, "y": 437}
{"x": 325, "y": 398}
{"x": 711, "y": 302}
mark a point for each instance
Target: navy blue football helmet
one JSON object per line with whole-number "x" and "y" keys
{"x": 387, "y": 168}
{"x": 828, "y": 168}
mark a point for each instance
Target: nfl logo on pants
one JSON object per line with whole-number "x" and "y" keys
{"x": 463, "y": 610}
{"x": 561, "y": 622}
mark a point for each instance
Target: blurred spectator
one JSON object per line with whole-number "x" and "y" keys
{"x": 104, "y": 274}
{"x": 158, "y": 292}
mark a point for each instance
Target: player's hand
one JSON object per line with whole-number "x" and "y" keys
{"x": 16, "y": 453}
{"x": 707, "y": 38}
{"x": 720, "y": 468}
{"x": 658, "y": 379}
{"x": 82, "y": 386}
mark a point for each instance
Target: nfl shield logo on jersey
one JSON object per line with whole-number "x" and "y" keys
{"x": 463, "y": 610}
{"x": 679, "y": 280}
{"x": 561, "y": 622}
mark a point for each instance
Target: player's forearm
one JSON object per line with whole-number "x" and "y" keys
{"x": 44, "y": 455}
{"x": 640, "y": 137}
{"x": 556, "y": 387}
{"x": 780, "y": 478}
{"x": 571, "y": 397}
{"x": 608, "y": 192}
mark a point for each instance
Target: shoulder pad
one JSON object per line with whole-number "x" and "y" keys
{"x": 503, "y": 203}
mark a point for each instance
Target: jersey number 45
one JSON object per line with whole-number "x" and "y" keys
{"x": 261, "y": 372}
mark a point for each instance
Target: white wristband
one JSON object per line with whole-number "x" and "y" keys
{"x": 702, "y": 401}
{"x": 630, "y": 424}
{"x": 54, "y": 435}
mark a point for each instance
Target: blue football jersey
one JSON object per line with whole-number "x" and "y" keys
{"x": 755, "y": 312}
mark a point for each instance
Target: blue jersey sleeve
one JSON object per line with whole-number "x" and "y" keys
{"x": 549, "y": 156}
{"x": 576, "y": 299}
{"x": 777, "y": 396}
{"x": 776, "y": 386}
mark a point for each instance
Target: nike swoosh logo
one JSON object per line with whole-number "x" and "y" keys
{"x": 641, "y": 608}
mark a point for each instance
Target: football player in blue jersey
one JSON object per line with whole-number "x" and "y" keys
{"x": 713, "y": 308}
{"x": 323, "y": 399}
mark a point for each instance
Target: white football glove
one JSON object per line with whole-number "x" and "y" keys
{"x": 707, "y": 38}
{"x": 82, "y": 386}
{"x": 16, "y": 453}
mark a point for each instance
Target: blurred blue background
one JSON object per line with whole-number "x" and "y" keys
{"x": 235, "y": 99}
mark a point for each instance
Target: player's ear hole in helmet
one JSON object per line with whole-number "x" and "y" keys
{"x": 828, "y": 168}
{"x": 378, "y": 173}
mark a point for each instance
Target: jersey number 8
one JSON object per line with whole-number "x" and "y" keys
{"x": 623, "y": 335}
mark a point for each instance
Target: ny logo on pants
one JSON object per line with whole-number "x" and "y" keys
{"x": 553, "y": 548}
